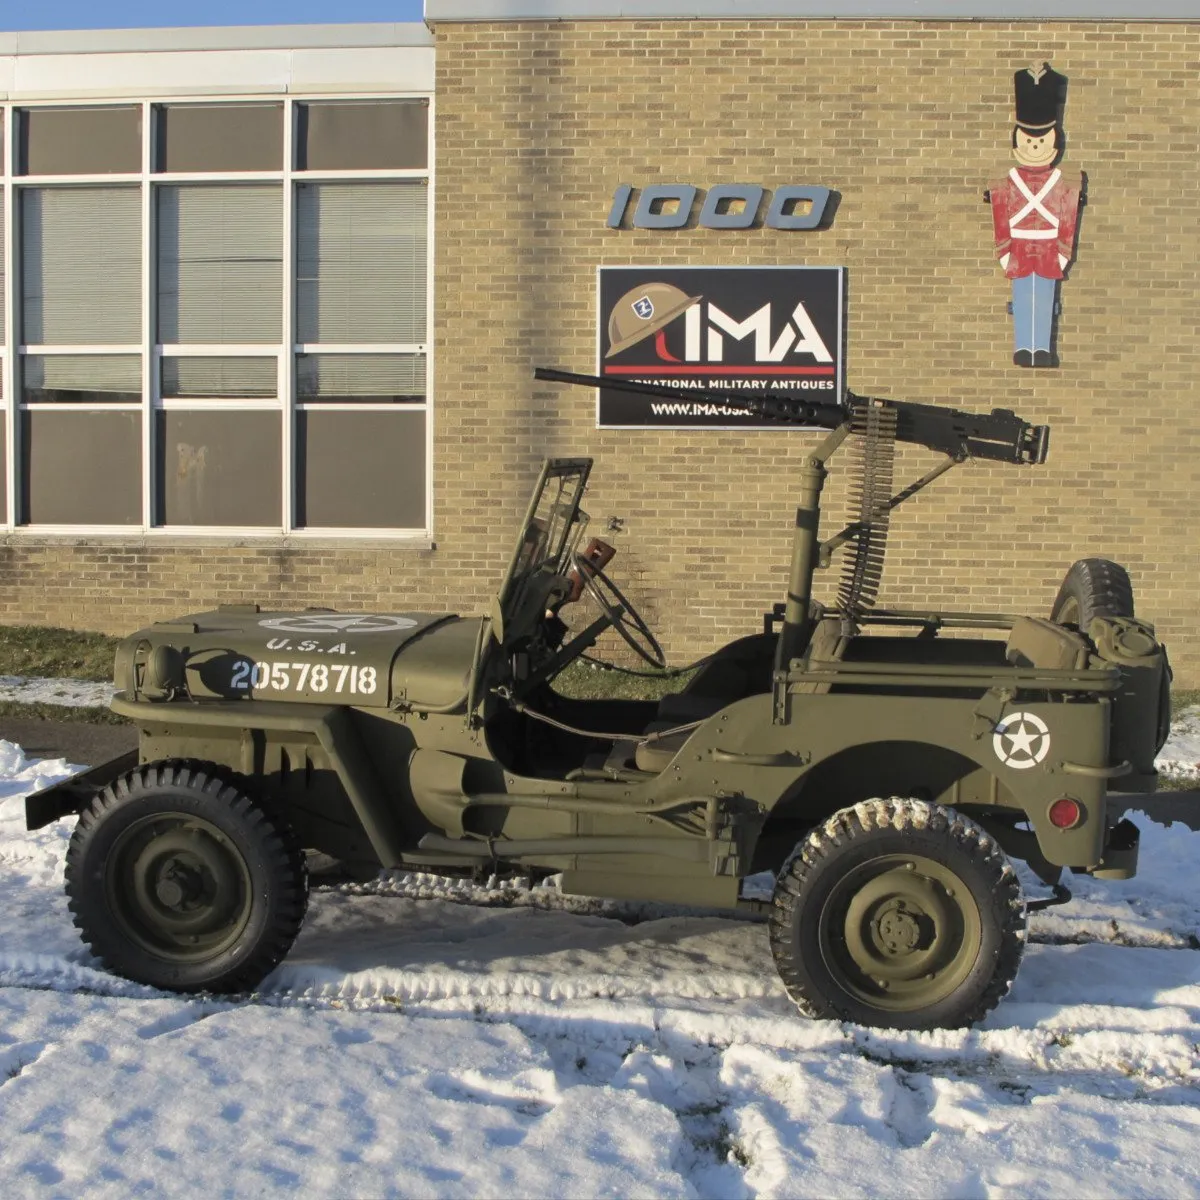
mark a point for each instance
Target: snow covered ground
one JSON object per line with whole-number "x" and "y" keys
{"x": 1180, "y": 757}
{"x": 70, "y": 693}
{"x": 433, "y": 1038}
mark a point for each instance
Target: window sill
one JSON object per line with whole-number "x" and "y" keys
{"x": 176, "y": 540}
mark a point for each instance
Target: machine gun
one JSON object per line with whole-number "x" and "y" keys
{"x": 999, "y": 436}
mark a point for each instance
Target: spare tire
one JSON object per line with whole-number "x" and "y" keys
{"x": 1093, "y": 587}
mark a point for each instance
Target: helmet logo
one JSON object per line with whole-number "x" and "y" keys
{"x": 644, "y": 307}
{"x": 1021, "y": 740}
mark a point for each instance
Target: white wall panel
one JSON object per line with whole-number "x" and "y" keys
{"x": 391, "y": 68}
{"x": 216, "y": 72}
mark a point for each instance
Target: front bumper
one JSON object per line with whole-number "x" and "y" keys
{"x": 75, "y": 794}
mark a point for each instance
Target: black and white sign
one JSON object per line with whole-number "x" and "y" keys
{"x": 712, "y": 330}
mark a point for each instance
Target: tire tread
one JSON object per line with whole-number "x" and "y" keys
{"x": 273, "y": 837}
{"x": 848, "y": 825}
{"x": 1101, "y": 588}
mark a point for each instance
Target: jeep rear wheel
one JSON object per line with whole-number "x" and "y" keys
{"x": 1092, "y": 587}
{"x": 898, "y": 913}
{"x": 178, "y": 879}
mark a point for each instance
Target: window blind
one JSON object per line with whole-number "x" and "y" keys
{"x": 360, "y": 377}
{"x": 81, "y": 274}
{"x": 361, "y": 262}
{"x": 220, "y": 263}
{"x": 239, "y": 378}
{"x": 82, "y": 378}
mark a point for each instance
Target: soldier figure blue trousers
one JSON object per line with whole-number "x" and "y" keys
{"x": 1033, "y": 311}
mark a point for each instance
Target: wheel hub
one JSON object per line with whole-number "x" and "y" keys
{"x": 896, "y": 929}
{"x": 179, "y": 884}
{"x": 900, "y": 932}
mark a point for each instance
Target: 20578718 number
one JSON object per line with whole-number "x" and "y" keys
{"x": 343, "y": 678}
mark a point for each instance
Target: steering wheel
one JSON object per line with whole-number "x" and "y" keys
{"x": 620, "y": 614}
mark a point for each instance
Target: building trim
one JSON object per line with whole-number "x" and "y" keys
{"x": 217, "y": 37}
{"x": 812, "y": 10}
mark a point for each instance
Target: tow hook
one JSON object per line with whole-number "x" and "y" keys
{"x": 1062, "y": 894}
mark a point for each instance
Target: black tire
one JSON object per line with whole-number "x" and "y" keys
{"x": 1093, "y": 587}
{"x": 176, "y": 878}
{"x": 900, "y": 914}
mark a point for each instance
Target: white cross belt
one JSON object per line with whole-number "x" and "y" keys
{"x": 1034, "y": 205}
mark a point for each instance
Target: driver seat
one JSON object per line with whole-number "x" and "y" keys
{"x": 677, "y": 709}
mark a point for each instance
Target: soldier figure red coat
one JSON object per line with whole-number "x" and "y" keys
{"x": 1035, "y": 209}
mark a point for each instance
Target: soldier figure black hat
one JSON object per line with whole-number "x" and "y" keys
{"x": 1041, "y": 93}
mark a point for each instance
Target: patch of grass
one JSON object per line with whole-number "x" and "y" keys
{"x": 45, "y": 652}
{"x": 585, "y": 681}
{"x": 74, "y": 715}
{"x": 1182, "y": 698}
{"x": 1178, "y": 783}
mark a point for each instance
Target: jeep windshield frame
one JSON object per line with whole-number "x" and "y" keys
{"x": 551, "y": 528}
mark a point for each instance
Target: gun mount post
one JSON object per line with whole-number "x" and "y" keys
{"x": 806, "y": 548}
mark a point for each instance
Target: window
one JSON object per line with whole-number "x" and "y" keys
{"x": 220, "y": 260}
{"x": 219, "y": 468}
{"x": 360, "y": 470}
{"x": 361, "y": 378}
{"x": 79, "y": 141}
{"x": 232, "y": 335}
{"x": 219, "y": 137}
{"x": 81, "y": 272}
{"x": 220, "y": 377}
{"x": 82, "y": 379}
{"x": 81, "y": 467}
{"x": 353, "y": 135}
{"x": 360, "y": 262}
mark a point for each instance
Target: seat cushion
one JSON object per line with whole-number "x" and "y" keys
{"x": 656, "y": 756}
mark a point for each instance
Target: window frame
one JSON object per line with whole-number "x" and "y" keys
{"x": 285, "y": 350}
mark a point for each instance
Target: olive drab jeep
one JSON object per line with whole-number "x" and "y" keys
{"x": 884, "y": 773}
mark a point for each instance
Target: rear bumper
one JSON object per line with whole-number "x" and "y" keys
{"x": 1120, "y": 852}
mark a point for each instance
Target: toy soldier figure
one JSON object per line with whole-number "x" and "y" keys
{"x": 1035, "y": 210}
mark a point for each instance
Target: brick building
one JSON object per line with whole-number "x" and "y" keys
{"x": 381, "y": 455}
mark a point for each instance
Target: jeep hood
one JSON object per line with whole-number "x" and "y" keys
{"x": 314, "y": 656}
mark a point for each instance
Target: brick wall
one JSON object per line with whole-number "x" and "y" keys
{"x": 536, "y": 123}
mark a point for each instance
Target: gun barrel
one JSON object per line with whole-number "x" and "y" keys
{"x": 1000, "y": 435}
{"x": 772, "y": 403}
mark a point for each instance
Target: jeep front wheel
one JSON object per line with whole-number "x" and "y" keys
{"x": 898, "y": 913}
{"x": 178, "y": 879}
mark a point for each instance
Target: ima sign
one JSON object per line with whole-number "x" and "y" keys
{"x": 710, "y": 330}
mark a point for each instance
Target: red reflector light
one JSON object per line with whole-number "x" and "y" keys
{"x": 1065, "y": 813}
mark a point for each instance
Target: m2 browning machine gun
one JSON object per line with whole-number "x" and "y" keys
{"x": 1000, "y": 436}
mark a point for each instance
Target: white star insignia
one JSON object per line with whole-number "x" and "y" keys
{"x": 1022, "y": 740}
